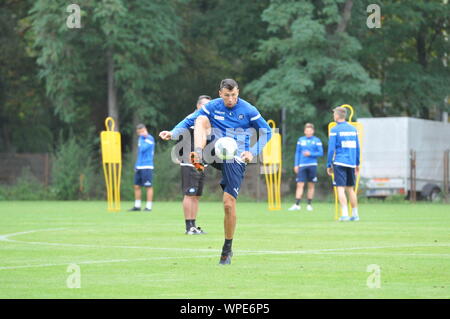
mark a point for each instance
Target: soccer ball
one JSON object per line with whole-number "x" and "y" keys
{"x": 226, "y": 148}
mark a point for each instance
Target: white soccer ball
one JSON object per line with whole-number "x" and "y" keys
{"x": 226, "y": 148}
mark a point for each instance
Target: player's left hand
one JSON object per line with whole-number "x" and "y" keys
{"x": 247, "y": 156}
{"x": 357, "y": 170}
{"x": 306, "y": 153}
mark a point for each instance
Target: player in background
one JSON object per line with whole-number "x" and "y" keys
{"x": 143, "y": 175}
{"x": 309, "y": 148}
{"x": 191, "y": 181}
{"x": 229, "y": 116}
{"x": 343, "y": 161}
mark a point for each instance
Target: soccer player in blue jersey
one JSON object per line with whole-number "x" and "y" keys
{"x": 143, "y": 175}
{"x": 309, "y": 148}
{"x": 343, "y": 161}
{"x": 230, "y": 116}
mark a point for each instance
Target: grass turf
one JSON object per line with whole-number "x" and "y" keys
{"x": 276, "y": 254}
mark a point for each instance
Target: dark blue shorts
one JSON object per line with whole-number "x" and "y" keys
{"x": 232, "y": 176}
{"x": 344, "y": 176}
{"x": 307, "y": 174}
{"x": 143, "y": 177}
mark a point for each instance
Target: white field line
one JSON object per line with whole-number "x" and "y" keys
{"x": 337, "y": 251}
{"x": 107, "y": 261}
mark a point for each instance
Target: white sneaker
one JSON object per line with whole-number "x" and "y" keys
{"x": 295, "y": 207}
{"x": 195, "y": 231}
{"x": 309, "y": 208}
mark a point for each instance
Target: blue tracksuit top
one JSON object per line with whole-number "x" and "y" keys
{"x": 146, "y": 151}
{"x": 343, "y": 146}
{"x": 312, "y": 144}
{"x": 236, "y": 122}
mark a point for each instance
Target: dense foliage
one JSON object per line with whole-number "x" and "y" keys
{"x": 301, "y": 56}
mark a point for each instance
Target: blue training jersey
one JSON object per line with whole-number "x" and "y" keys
{"x": 343, "y": 146}
{"x": 146, "y": 151}
{"x": 312, "y": 144}
{"x": 239, "y": 122}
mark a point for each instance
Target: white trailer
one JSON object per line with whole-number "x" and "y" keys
{"x": 386, "y": 146}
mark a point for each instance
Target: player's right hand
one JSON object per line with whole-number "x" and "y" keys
{"x": 296, "y": 169}
{"x": 330, "y": 170}
{"x": 165, "y": 135}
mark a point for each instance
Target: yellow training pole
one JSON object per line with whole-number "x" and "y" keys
{"x": 272, "y": 164}
{"x": 336, "y": 200}
{"x": 268, "y": 184}
{"x": 112, "y": 163}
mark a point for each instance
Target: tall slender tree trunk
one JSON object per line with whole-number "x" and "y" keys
{"x": 134, "y": 146}
{"x": 345, "y": 17}
{"x": 421, "y": 46}
{"x": 113, "y": 109}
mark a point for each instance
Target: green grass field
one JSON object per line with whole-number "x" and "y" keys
{"x": 276, "y": 254}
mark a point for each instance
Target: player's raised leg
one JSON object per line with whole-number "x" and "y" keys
{"x": 202, "y": 129}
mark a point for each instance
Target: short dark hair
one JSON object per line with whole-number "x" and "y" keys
{"x": 228, "y": 84}
{"x": 201, "y": 97}
{"x": 140, "y": 126}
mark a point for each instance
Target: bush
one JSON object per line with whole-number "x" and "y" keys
{"x": 73, "y": 173}
{"x": 166, "y": 176}
{"x": 127, "y": 179}
{"x": 27, "y": 187}
{"x": 397, "y": 198}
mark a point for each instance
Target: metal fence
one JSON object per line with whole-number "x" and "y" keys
{"x": 13, "y": 164}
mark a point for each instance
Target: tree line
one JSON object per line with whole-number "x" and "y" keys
{"x": 147, "y": 61}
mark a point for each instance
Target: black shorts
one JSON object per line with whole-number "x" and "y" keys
{"x": 307, "y": 174}
{"x": 192, "y": 181}
{"x": 344, "y": 176}
{"x": 143, "y": 177}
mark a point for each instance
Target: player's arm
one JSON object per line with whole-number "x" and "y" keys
{"x": 259, "y": 123}
{"x": 180, "y": 128}
{"x": 298, "y": 153}
{"x": 147, "y": 143}
{"x": 331, "y": 151}
{"x": 358, "y": 154}
{"x": 153, "y": 146}
{"x": 318, "y": 149}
